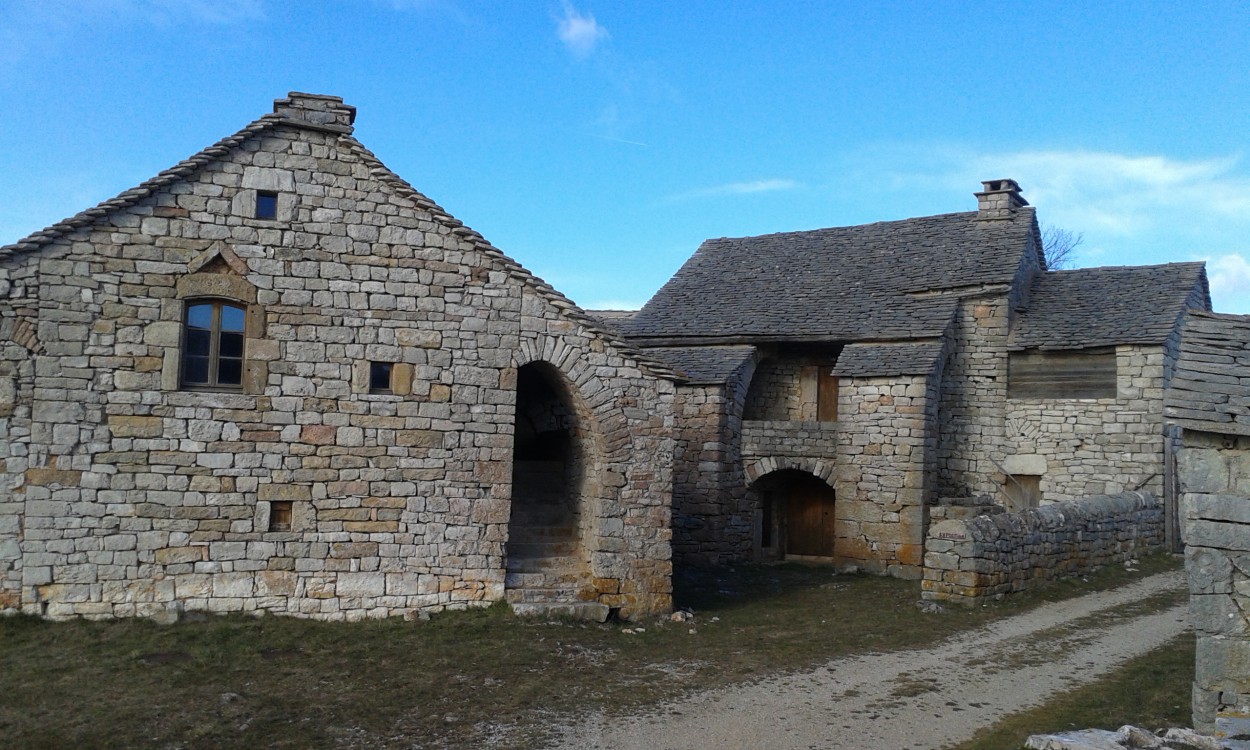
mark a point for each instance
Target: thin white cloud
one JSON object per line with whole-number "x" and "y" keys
{"x": 1229, "y": 276}
{"x": 579, "y": 33}
{"x": 1119, "y": 194}
{"x": 771, "y": 185}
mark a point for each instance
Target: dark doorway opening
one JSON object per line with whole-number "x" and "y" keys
{"x": 797, "y": 518}
{"x": 545, "y": 561}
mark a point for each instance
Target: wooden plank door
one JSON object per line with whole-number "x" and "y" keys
{"x": 826, "y": 395}
{"x": 809, "y": 521}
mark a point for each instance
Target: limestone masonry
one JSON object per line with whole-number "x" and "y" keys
{"x": 278, "y": 378}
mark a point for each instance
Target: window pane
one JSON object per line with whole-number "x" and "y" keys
{"x": 195, "y": 370}
{"x": 266, "y": 205}
{"x": 200, "y": 316}
{"x": 198, "y": 342}
{"x": 231, "y": 344}
{"x": 231, "y": 318}
{"x": 379, "y": 376}
{"x": 229, "y": 371}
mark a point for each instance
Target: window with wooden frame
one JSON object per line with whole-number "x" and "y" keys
{"x": 212, "y": 345}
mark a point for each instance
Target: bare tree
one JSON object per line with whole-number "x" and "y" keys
{"x": 1059, "y": 246}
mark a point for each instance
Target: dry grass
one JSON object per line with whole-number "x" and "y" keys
{"x": 464, "y": 679}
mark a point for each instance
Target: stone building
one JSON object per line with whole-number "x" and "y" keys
{"x": 1209, "y": 398}
{"x": 841, "y": 383}
{"x": 277, "y": 378}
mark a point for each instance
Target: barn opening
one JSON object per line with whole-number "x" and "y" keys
{"x": 550, "y": 466}
{"x": 797, "y": 516}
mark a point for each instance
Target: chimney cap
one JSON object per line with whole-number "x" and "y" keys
{"x": 999, "y": 199}
{"x": 317, "y": 111}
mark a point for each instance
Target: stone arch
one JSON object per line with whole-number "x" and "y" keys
{"x": 795, "y": 507}
{"x": 571, "y": 444}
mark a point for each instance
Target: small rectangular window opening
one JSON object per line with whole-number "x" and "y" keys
{"x": 380, "y": 377}
{"x": 280, "y": 515}
{"x": 266, "y": 204}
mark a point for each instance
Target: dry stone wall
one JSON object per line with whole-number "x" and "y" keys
{"x": 1215, "y": 482}
{"x": 969, "y": 559}
{"x": 124, "y": 494}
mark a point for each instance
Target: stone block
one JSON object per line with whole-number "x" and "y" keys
{"x": 360, "y": 584}
{"x": 418, "y": 438}
{"x": 1231, "y": 508}
{"x": 132, "y": 426}
{"x": 292, "y": 492}
{"x": 1203, "y": 470}
{"x": 233, "y": 585}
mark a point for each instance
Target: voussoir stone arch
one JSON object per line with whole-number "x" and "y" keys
{"x": 608, "y": 423}
{"x": 757, "y": 468}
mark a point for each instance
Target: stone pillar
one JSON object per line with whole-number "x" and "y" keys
{"x": 1215, "y": 482}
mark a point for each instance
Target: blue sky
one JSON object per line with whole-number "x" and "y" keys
{"x": 599, "y": 142}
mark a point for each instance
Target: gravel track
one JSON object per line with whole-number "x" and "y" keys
{"x": 909, "y": 700}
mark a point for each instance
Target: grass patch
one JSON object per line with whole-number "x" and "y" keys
{"x": 463, "y": 679}
{"x": 1151, "y": 691}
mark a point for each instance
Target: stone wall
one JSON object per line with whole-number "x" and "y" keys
{"x": 1097, "y": 446}
{"x": 974, "y": 393}
{"x": 968, "y": 559}
{"x": 712, "y": 521}
{"x": 123, "y": 494}
{"x": 1215, "y": 482}
{"x": 878, "y": 457}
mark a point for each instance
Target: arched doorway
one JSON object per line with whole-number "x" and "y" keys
{"x": 797, "y": 516}
{"x": 551, "y": 469}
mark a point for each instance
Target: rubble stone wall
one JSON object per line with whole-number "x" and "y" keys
{"x": 1215, "y": 485}
{"x": 969, "y": 559}
{"x": 124, "y": 494}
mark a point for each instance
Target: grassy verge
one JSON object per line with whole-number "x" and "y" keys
{"x": 1151, "y": 691}
{"x": 464, "y": 679}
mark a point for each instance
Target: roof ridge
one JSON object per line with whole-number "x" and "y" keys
{"x": 844, "y": 226}
{"x": 1149, "y": 267}
{"x": 131, "y": 196}
{"x": 515, "y": 269}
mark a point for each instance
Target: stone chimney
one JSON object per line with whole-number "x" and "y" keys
{"x": 999, "y": 200}
{"x": 316, "y": 111}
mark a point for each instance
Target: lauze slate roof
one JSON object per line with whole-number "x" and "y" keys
{"x": 1090, "y": 307}
{"x": 880, "y": 360}
{"x": 701, "y": 365}
{"x": 845, "y": 283}
{"x": 1210, "y": 389}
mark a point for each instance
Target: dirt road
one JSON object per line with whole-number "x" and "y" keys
{"x": 914, "y": 700}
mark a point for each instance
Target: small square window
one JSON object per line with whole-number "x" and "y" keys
{"x": 380, "y": 377}
{"x": 266, "y": 204}
{"x": 280, "y": 515}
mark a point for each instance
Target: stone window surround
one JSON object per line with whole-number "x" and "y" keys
{"x": 225, "y": 287}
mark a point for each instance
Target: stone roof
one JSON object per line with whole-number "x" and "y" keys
{"x": 1210, "y": 387}
{"x": 872, "y": 360}
{"x": 1090, "y": 307}
{"x": 704, "y": 365}
{"x": 855, "y": 283}
{"x": 308, "y": 111}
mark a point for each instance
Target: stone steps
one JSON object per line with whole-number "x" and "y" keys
{"x": 593, "y": 611}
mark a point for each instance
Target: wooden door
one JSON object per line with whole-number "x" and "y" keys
{"x": 809, "y": 520}
{"x": 826, "y": 395}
